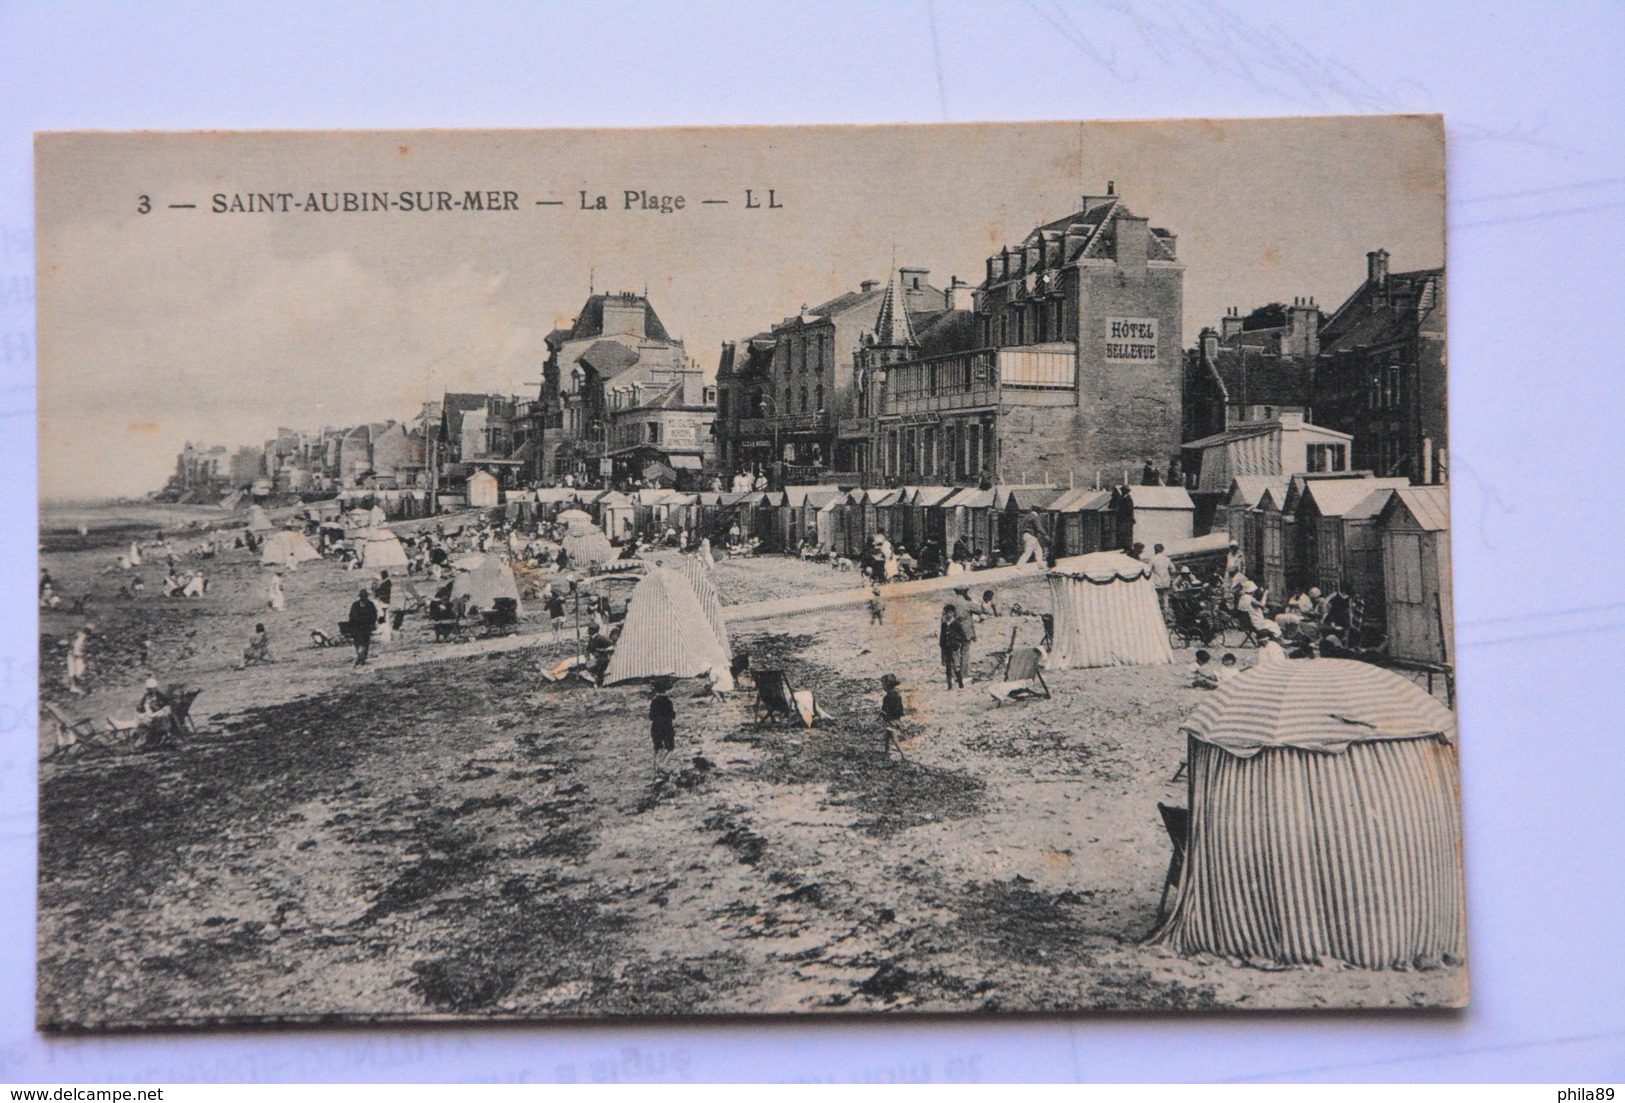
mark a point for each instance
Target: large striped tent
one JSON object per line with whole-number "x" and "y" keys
{"x": 704, "y": 586}
{"x": 666, "y": 632}
{"x": 1106, "y": 613}
{"x": 588, "y": 548}
{"x": 1325, "y": 822}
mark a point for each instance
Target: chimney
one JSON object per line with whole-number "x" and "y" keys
{"x": 869, "y": 285}
{"x": 1132, "y": 243}
{"x": 1004, "y": 255}
{"x": 960, "y": 295}
{"x": 1302, "y": 328}
{"x": 990, "y": 275}
{"x": 1376, "y": 269}
{"x": 1209, "y": 339}
{"x": 1230, "y": 326}
{"x": 1111, "y": 187}
{"x": 914, "y": 279}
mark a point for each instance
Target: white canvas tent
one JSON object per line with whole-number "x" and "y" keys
{"x": 589, "y": 548}
{"x": 380, "y": 550}
{"x": 488, "y": 580}
{"x": 259, "y": 520}
{"x": 286, "y": 549}
{"x": 666, "y": 632}
{"x": 1106, "y": 613}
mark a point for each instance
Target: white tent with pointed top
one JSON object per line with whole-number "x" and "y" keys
{"x": 1106, "y": 613}
{"x": 666, "y": 632}
{"x": 286, "y": 549}
{"x": 381, "y": 550}
{"x": 488, "y": 580}
{"x": 259, "y": 520}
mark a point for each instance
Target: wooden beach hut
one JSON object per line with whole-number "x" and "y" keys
{"x": 1415, "y": 533}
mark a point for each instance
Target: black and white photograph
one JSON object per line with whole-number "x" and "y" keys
{"x": 745, "y": 571}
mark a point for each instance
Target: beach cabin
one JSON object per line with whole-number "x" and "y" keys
{"x": 967, "y": 514}
{"x": 1276, "y": 537}
{"x": 1019, "y": 508}
{"x": 1234, "y": 516}
{"x": 1079, "y": 520}
{"x": 1324, "y": 526}
{"x": 1415, "y": 533}
{"x": 483, "y": 492}
{"x": 1153, "y": 515}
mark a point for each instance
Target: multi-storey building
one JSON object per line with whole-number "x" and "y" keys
{"x": 744, "y": 430}
{"x": 1073, "y": 363}
{"x": 1235, "y": 374}
{"x": 1381, "y": 372}
{"x": 617, "y": 340}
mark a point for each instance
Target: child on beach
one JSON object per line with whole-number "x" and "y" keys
{"x": 662, "y": 724}
{"x": 891, "y": 715}
{"x": 1203, "y": 676}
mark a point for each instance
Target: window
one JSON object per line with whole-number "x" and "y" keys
{"x": 1327, "y": 457}
{"x": 803, "y": 399}
{"x": 653, "y": 432}
{"x": 818, "y": 397}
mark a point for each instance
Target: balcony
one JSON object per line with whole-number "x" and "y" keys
{"x": 815, "y": 422}
{"x": 981, "y": 378}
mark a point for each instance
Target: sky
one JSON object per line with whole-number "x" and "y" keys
{"x": 178, "y": 324}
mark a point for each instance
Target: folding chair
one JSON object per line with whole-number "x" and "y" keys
{"x": 774, "y": 697}
{"x": 1022, "y": 674}
{"x": 82, "y": 734}
{"x": 180, "y": 709}
{"x": 1177, "y": 822}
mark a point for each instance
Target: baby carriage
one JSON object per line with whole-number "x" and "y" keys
{"x": 1196, "y": 623}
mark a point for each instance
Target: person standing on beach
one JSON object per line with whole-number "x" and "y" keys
{"x": 952, "y": 643}
{"x": 892, "y": 712}
{"x": 78, "y": 659}
{"x": 383, "y": 590}
{"x": 278, "y": 601}
{"x": 363, "y": 622}
{"x": 662, "y": 724}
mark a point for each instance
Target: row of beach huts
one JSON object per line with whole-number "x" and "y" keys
{"x": 1380, "y": 540}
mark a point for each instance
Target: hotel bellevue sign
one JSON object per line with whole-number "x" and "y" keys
{"x": 1131, "y": 340}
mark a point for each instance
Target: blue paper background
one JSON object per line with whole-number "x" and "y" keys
{"x": 1534, "y": 100}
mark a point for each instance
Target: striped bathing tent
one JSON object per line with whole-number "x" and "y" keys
{"x": 700, "y": 580}
{"x": 588, "y": 547}
{"x": 1106, "y": 613}
{"x": 1325, "y": 822}
{"x": 666, "y": 632}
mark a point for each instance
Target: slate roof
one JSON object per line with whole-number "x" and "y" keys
{"x": 590, "y": 322}
{"x": 1373, "y": 317}
{"x": 608, "y": 358}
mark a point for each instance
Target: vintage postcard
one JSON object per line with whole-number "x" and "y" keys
{"x": 577, "y": 574}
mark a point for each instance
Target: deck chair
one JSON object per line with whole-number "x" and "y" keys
{"x": 774, "y": 697}
{"x": 74, "y": 734}
{"x": 1177, "y": 822}
{"x": 181, "y": 698}
{"x": 1023, "y": 674}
